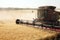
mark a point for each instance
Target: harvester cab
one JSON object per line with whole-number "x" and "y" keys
{"x": 48, "y": 16}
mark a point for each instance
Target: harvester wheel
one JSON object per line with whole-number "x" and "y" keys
{"x": 17, "y": 21}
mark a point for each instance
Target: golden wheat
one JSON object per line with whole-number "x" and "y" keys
{"x": 23, "y": 32}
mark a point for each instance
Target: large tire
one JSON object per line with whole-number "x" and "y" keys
{"x": 17, "y": 21}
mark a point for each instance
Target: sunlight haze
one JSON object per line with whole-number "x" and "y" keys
{"x": 28, "y": 3}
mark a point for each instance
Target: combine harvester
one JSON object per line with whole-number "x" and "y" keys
{"x": 46, "y": 17}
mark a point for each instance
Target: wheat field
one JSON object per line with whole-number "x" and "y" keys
{"x": 11, "y": 31}
{"x": 23, "y": 32}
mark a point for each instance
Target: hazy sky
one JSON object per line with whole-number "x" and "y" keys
{"x": 28, "y": 3}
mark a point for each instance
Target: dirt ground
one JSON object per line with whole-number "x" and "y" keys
{"x": 23, "y": 32}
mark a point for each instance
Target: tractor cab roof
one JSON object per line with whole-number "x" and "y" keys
{"x": 47, "y": 7}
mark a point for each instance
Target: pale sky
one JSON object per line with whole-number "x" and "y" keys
{"x": 29, "y": 3}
